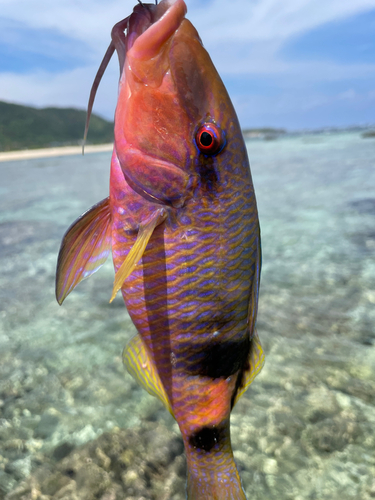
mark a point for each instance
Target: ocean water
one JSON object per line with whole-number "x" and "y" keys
{"x": 304, "y": 430}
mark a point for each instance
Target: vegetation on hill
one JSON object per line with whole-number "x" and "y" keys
{"x": 267, "y": 133}
{"x": 264, "y": 130}
{"x": 24, "y": 127}
{"x": 368, "y": 134}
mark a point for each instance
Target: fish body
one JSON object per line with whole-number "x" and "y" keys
{"x": 182, "y": 223}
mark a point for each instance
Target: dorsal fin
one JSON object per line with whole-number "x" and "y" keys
{"x": 255, "y": 359}
{"x": 84, "y": 248}
{"x": 254, "y": 295}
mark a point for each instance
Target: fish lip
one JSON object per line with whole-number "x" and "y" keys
{"x": 157, "y": 24}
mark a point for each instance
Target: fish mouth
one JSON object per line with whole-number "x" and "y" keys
{"x": 146, "y": 93}
{"x": 140, "y": 37}
{"x": 150, "y": 26}
{"x": 141, "y": 40}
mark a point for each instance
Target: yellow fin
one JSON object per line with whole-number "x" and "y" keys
{"x": 141, "y": 367}
{"x": 134, "y": 256}
{"x": 256, "y": 354}
{"x": 253, "y": 303}
{"x": 256, "y": 362}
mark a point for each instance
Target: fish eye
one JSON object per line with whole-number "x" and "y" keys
{"x": 209, "y": 139}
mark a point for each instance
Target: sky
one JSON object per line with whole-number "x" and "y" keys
{"x": 294, "y": 64}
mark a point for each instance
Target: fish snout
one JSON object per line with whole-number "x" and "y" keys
{"x": 153, "y": 26}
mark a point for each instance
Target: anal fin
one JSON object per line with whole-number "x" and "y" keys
{"x": 254, "y": 365}
{"x": 142, "y": 368}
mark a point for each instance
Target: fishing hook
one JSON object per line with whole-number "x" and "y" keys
{"x": 156, "y": 2}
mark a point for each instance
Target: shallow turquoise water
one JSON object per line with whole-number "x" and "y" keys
{"x": 61, "y": 376}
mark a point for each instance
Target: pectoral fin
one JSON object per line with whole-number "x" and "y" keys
{"x": 141, "y": 367}
{"x": 84, "y": 248}
{"x": 134, "y": 256}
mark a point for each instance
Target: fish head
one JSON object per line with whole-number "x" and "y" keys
{"x": 173, "y": 117}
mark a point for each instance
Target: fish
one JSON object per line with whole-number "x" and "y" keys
{"x": 182, "y": 225}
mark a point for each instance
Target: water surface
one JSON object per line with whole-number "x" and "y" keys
{"x": 304, "y": 430}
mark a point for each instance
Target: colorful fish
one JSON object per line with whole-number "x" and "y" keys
{"x": 182, "y": 222}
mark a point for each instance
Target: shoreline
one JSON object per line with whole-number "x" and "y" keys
{"x": 27, "y": 154}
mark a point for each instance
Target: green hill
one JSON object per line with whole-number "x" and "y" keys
{"x": 24, "y": 127}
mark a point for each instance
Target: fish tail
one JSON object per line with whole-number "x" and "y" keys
{"x": 212, "y": 473}
{"x": 215, "y": 486}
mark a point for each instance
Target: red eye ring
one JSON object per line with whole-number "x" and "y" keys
{"x": 209, "y": 139}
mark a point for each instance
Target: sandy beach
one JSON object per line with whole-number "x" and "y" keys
{"x": 50, "y": 152}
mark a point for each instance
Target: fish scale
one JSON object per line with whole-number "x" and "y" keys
{"x": 182, "y": 223}
{"x": 177, "y": 308}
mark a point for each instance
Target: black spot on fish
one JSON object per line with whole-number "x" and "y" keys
{"x": 207, "y": 438}
{"x": 219, "y": 359}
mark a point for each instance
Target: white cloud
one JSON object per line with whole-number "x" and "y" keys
{"x": 348, "y": 95}
{"x": 217, "y": 21}
{"x": 271, "y": 20}
{"x": 303, "y": 71}
{"x": 244, "y": 38}
{"x": 66, "y": 89}
{"x": 88, "y": 21}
